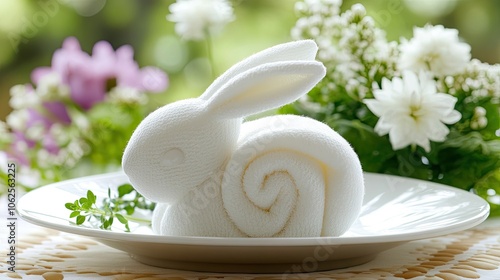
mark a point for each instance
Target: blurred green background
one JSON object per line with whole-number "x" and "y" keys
{"x": 31, "y": 30}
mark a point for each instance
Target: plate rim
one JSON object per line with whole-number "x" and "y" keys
{"x": 464, "y": 224}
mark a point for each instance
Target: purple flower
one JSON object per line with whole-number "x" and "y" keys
{"x": 88, "y": 79}
{"x": 57, "y": 111}
{"x": 88, "y": 76}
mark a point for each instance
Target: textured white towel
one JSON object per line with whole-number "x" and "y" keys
{"x": 186, "y": 156}
{"x": 292, "y": 176}
{"x": 289, "y": 176}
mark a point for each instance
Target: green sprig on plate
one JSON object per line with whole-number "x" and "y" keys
{"x": 119, "y": 207}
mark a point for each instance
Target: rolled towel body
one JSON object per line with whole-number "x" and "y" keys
{"x": 289, "y": 176}
{"x": 292, "y": 176}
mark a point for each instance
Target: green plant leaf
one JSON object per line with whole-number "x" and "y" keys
{"x": 74, "y": 214}
{"x": 129, "y": 209}
{"x": 80, "y": 220}
{"x": 125, "y": 189}
{"x": 70, "y": 206}
{"x": 121, "y": 219}
{"x": 488, "y": 187}
{"x": 83, "y": 200}
{"x": 91, "y": 198}
{"x": 110, "y": 207}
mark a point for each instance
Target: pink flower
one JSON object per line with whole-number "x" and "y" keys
{"x": 39, "y": 126}
{"x": 88, "y": 77}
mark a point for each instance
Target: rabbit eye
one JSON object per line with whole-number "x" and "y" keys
{"x": 172, "y": 157}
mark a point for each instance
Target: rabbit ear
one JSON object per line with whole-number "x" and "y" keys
{"x": 297, "y": 50}
{"x": 265, "y": 87}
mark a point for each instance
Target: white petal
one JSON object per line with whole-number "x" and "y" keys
{"x": 424, "y": 143}
{"x": 435, "y": 130}
{"x": 383, "y": 126}
{"x": 444, "y": 99}
{"x": 375, "y": 106}
{"x": 427, "y": 84}
{"x": 453, "y": 117}
{"x": 399, "y": 138}
{"x": 411, "y": 83}
{"x": 397, "y": 85}
{"x": 383, "y": 95}
{"x": 440, "y": 103}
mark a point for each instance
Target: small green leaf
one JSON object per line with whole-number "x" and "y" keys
{"x": 74, "y": 214}
{"x": 87, "y": 205}
{"x": 129, "y": 209}
{"x": 105, "y": 225}
{"x": 110, "y": 220}
{"x": 70, "y": 206}
{"x": 127, "y": 229}
{"x": 122, "y": 219}
{"x": 91, "y": 197}
{"x": 80, "y": 220}
{"x": 83, "y": 200}
{"x": 125, "y": 189}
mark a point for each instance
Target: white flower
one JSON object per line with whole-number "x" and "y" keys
{"x": 51, "y": 88}
{"x": 20, "y": 98}
{"x": 60, "y": 134}
{"x": 18, "y": 119}
{"x": 479, "y": 120}
{"x": 5, "y": 135}
{"x": 436, "y": 49}
{"x": 195, "y": 18}
{"x": 411, "y": 110}
{"x": 127, "y": 95}
{"x": 35, "y": 132}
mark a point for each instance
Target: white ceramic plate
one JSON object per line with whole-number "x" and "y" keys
{"x": 396, "y": 210}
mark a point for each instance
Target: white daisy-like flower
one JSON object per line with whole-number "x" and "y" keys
{"x": 411, "y": 111}
{"x": 436, "y": 49}
{"x": 195, "y": 19}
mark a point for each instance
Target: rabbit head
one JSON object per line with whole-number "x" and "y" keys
{"x": 179, "y": 146}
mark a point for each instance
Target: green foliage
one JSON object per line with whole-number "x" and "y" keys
{"x": 492, "y": 195}
{"x": 110, "y": 129}
{"x": 121, "y": 207}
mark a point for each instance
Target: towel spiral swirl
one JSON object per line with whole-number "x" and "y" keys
{"x": 271, "y": 194}
{"x": 291, "y": 182}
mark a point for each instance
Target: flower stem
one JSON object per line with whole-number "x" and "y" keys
{"x": 413, "y": 148}
{"x": 210, "y": 57}
{"x": 137, "y": 220}
{"x": 97, "y": 211}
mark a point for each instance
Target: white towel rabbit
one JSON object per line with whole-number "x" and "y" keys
{"x": 276, "y": 176}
